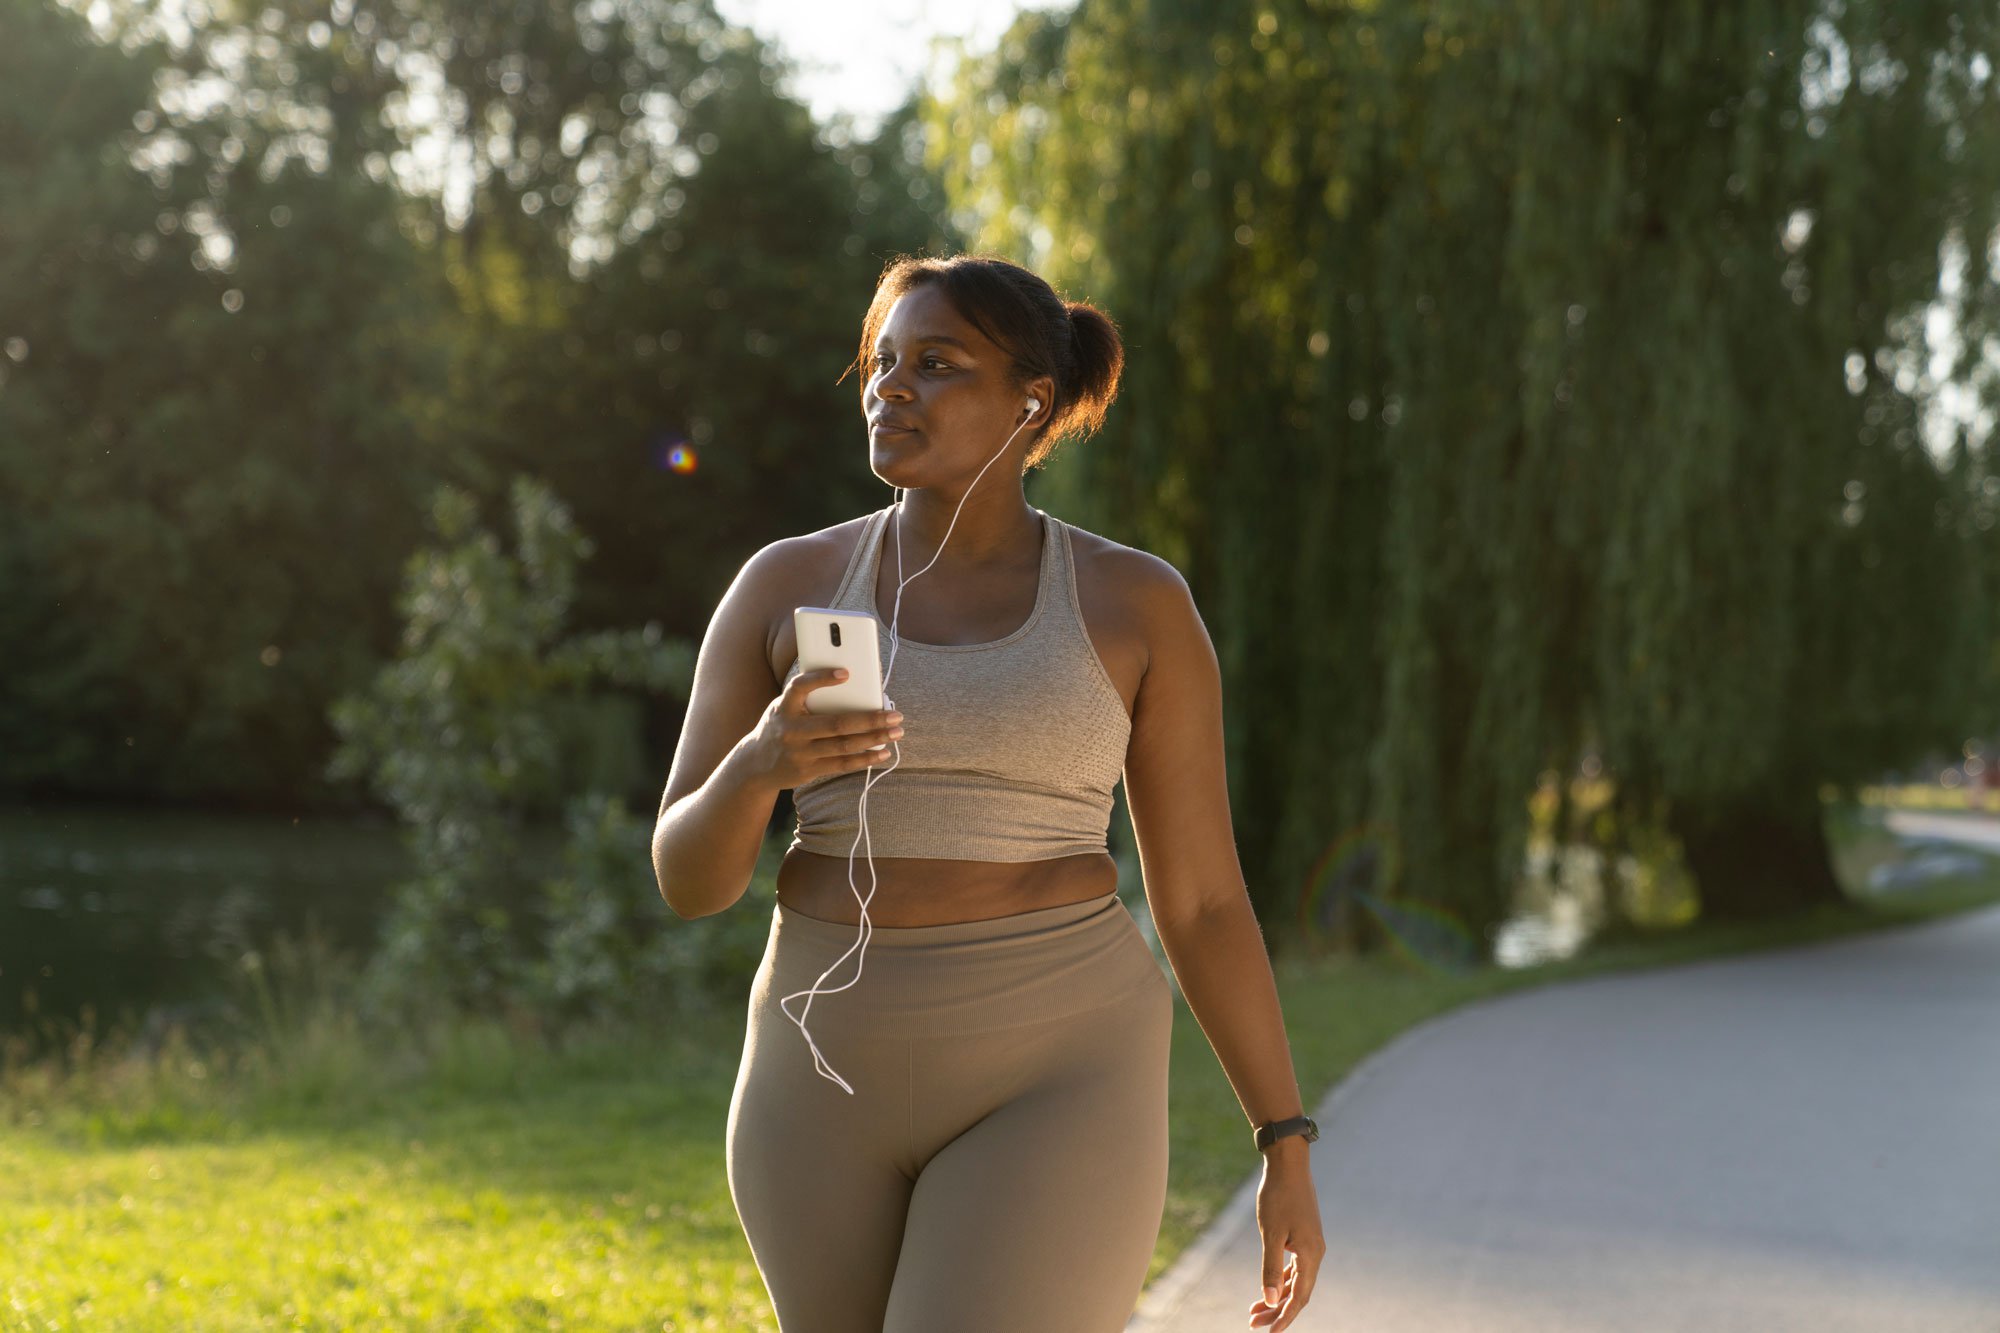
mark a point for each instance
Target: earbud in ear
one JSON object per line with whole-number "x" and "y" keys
{"x": 1034, "y": 406}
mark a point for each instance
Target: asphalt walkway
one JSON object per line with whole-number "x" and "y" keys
{"x": 1806, "y": 1139}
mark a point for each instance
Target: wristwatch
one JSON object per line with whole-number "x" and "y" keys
{"x": 1278, "y": 1129}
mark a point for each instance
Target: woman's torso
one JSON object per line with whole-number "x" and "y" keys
{"x": 970, "y": 611}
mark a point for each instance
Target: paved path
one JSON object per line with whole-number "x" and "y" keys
{"x": 1802, "y": 1140}
{"x": 1981, "y": 831}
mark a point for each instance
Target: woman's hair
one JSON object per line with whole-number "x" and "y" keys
{"x": 1072, "y": 342}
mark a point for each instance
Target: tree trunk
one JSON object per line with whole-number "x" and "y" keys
{"x": 1754, "y": 862}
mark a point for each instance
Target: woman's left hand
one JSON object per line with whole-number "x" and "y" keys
{"x": 1288, "y": 1220}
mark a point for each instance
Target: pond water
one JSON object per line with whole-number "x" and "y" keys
{"x": 132, "y": 911}
{"x": 123, "y": 909}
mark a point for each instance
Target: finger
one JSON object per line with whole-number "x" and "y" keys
{"x": 1274, "y": 1272}
{"x": 847, "y": 722}
{"x": 1283, "y": 1281}
{"x": 1264, "y": 1315}
{"x": 817, "y": 679}
{"x": 1262, "y": 1304}
{"x": 1276, "y": 1286}
{"x": 1262, "y": 1312}
{"x": 1301, "y": 1293}
{"x": 855, "y": 736}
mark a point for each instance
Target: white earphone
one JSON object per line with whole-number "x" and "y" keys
{"x": 871, "y": 777}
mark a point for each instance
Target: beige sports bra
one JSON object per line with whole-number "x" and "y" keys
{"x": 1013, "y": 747}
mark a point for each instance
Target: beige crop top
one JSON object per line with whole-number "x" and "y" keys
{"x": 1011, "y": 748}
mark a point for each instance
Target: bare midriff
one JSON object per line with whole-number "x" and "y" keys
{"x": 918, "y": 891}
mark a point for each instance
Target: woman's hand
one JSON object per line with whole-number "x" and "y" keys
{"x": 791, "y": 746}
{"x": 1288, "y": 1220}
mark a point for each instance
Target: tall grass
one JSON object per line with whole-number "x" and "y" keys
{"x": 289, "y": 1045}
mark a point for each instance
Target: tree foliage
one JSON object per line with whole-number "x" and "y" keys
{"x": 1521, "y": 383}
{"x": 271, "y": 272}
{"x": 213, "y": 391}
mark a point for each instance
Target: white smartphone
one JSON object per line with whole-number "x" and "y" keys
{"x": 848, "y": 639}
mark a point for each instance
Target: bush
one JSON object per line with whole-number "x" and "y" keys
{"x": 607, "y": 956}
{"x": 465, "y": 735}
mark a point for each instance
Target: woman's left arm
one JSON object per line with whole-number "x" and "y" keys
{"x": 1176, "y": 791}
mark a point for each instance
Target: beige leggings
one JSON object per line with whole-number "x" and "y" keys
{"x": 1001, "y": 1165}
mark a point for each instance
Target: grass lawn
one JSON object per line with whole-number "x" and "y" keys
{"x": 494, "y": 1184}
{"x": 508, "y": 1188}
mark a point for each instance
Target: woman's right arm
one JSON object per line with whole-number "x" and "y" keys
{"x": 744, "y": 740}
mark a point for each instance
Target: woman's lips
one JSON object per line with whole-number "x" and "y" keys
{"x": 890, "y": 430}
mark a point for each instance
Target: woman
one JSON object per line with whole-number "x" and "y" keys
{"x": 994, "y": 1157}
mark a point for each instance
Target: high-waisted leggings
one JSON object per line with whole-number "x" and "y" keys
{"x": 1001, "y": 1165}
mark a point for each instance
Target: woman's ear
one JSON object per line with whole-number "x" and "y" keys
{"x": 1042, "y": 389}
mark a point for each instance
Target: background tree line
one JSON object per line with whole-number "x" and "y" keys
{"x": 266, "y": 281}
{"x": 1513, "y": 385}
{"x": 1517, "y": 383}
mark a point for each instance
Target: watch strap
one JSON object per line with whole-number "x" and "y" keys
{"x": 1278, "y": 1129}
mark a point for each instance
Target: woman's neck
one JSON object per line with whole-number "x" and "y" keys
{"x": 997, "y": 533}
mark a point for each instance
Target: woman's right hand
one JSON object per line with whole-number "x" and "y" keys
{"x": 791, "y": 746}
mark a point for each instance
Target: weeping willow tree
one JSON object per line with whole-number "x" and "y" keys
{"x": 1520, "y": 383}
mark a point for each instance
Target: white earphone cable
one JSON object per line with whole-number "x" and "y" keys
{"x": 869, "y": 777}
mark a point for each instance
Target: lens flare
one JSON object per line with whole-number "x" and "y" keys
{"x": 1361, "y": 858}
{"x": 672, "y": 453}
{"x": 1429, "y": 936}
{"x": 1352, "y": 874}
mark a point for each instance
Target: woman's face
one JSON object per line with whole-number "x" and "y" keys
{"x": 947, "y": 385}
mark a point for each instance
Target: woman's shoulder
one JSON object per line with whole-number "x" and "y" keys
{"x": 1126, "y": 597}
{"x": 807, "y": 553}
{"x": 1125, "y": 570}
{"x": 804, "y": 569}
{"x": 801, "y": 570}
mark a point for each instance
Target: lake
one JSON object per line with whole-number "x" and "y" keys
{"x": 121, "y": 909}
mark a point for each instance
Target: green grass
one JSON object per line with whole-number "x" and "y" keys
{"x": 502, "y": 1187}
{"x": 471, "y": 1178}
